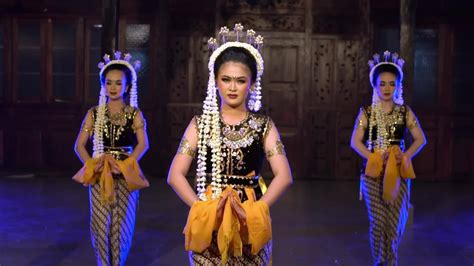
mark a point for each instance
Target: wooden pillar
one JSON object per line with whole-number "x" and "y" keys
{"x": 160, "y": 127}
{"x": 110, "y": 20}
{"x": 365, "y": 33}
{"x": 407, "y": 51}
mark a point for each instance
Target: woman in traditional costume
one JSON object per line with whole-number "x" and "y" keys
{"x": 379, "y": 137}
{"x": 112, "y": 173}
{"x": 229, "y": 220}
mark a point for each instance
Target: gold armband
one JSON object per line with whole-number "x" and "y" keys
{"x": 87, "y": 130}
{"x": 278, "y": 149}
{"x": 185, "y": 148}
{"x": 413, "y": 124}
{"x": 361, "y": 124}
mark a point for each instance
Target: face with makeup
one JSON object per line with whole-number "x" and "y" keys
{"x": 234, "y": 83}
{"x": 115, "y": 84}
{"x": 386, "y": 86}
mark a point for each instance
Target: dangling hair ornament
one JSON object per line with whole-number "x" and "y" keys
{"x": 209, "y": 125}
{"x": 378, "y": 117}
{"x": 99, "y": 122}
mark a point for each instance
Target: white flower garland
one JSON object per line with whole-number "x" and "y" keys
{"x": 377, "y": 117}
{"x": 209, "y": 125}
{"x": 99, "y": 123}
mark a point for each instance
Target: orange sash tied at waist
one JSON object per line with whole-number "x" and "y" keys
{"x": 231, "y": 233}
{"x": 392, "y": 173}
{"x": 100, "y": 170}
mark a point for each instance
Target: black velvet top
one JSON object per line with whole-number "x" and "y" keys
{"x": 119, "y": 134}
{"x": 396, "y": 125}
{"x": 242, "y": 150}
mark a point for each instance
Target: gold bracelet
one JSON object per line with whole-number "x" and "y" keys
{"x": 278, "y": 149}
{"x": 85, "y": 129}
{"x": 185, "y": 148}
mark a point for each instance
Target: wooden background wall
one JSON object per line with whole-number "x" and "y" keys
{"x": 315, "y": 76}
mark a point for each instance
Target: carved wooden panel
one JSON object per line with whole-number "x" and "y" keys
{"x": 426, "y": 163}
{"x": 252, "y": 6}
{"x": 283, "y": 81}
{"x": 334, "y": 24}
{"x": 346, "y": 85}
{"x": 284, "y": 65}
{"x": 277, "y": 16}
{"x": 200, "y": 75}
{"x": 179, "y": 117}
{"x": 322, "y": 72}
{"x": 269, "y": 22}
{"x": 318, "y": 143}
{"x": 178, "y": 56}
{"x": 347, "y": 161}
{"x": 283, "y": 107}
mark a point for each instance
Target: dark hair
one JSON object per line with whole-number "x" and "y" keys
{"x": 239, "y": 55}
{"x": 385, "y": 68}
{"x": 125, "y": 70}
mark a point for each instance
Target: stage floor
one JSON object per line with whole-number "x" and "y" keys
{"x": 44, "y": 221}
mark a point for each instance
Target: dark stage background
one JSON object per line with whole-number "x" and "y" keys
{"x": 315, "y": 54}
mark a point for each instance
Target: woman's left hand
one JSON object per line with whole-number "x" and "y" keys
{"x": 399, "y": 156}
{"x": 114, "y": 168}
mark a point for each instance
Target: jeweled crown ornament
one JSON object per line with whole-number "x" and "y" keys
{"x": 126, "y": 61}
{"x": 244, "y": 39}
{"x": 388, "y": 59}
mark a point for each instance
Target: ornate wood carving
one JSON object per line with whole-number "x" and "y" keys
{"x": 200, "y": 76}
{"x": 322, "y": 64}
{"x": 342, "y": 24}
{"x": 270, "y": 22}
{"x": 251, "y": 6}
{"x": 317, "y": 141}
{"x": 346, "y": 85}
{"x": 347, "y": 161}
{"x": 178, "y": 56}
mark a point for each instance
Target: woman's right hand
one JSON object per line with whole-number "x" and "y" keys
{"x": 221, "y": 205}
{"x": 99, "y": 166}
{"x": 236, "y": 207}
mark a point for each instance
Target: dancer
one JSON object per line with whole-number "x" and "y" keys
{"x": 113, "y": 175}
{"x": 379, "y": 137}
{"x": 229, "y": 220}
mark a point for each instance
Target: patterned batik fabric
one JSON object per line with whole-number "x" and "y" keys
{"x": 386, "y": 221}
{"x": 211, "y": 256}
{"x": 112, "y": 225}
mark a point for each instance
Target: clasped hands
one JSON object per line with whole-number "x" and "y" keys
{"x": 109, "y": 159}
